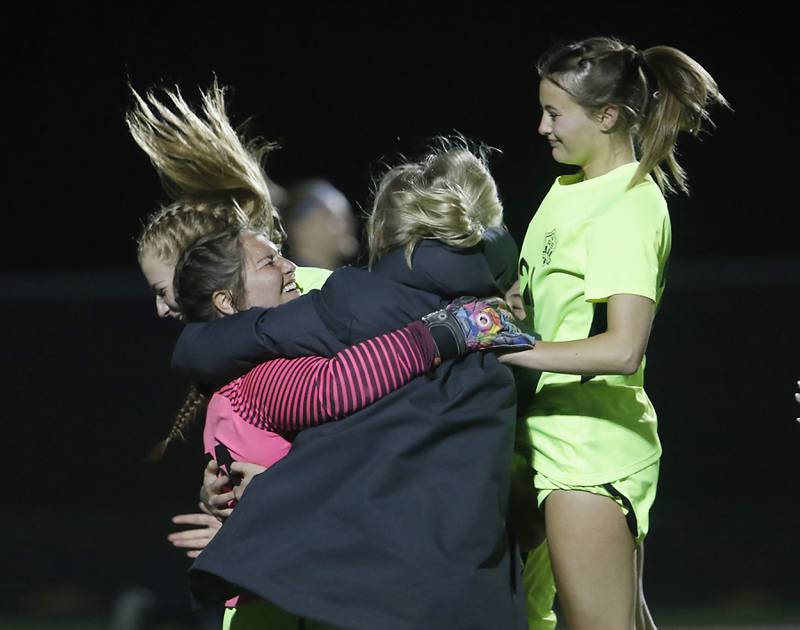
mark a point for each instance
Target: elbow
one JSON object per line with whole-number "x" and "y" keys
{"x": 628, "y": 368}
{"x": 629, "y": 361}
{"x": 624, "y": 353}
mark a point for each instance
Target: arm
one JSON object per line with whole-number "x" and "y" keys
{"x": 194, "y": 540}
{"x": 321, "y": 322}
{"x": 217, "y": 495}
{"x": 626, "y": 253}
{"x": 502, "y": 255}
{"x": 218, "y": 351}
{"x": 619, "y": 350}
{"x": 293, "y": 394}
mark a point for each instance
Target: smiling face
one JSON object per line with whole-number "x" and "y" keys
{"x": 159, "y": 274}
{"x": 575, "y": 137}
{"x": 268, "y": 276}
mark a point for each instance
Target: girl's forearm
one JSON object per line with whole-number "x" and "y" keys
{"x": 619, "y": 350}
{"x": 605, "y": 353}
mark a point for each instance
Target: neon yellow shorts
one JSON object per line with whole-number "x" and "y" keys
{"x": 634, "y": 495}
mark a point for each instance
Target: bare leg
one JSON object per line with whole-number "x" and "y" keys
{"x": 591, "y": 550}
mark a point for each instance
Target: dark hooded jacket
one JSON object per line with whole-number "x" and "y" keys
{"x": 393, "y": 518}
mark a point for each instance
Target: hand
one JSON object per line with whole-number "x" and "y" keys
{"x": 217, "y": 495}
{"x": 214, "y": 493}
{"x": 195, "y": 539}
{"x": 515, "y": 303}
{"x": 247, "y": 471}
{"x": 468, "y": 324}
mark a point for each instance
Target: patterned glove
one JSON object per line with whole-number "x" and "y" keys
{"x": 468, "y": 324}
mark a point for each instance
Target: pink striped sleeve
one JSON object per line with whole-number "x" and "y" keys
{"x": 292, "y": 394}
{"x": 382, "y": 377}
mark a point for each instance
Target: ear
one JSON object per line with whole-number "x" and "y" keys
{"x": 608, "y": 117}
{"x": 223, "y": 302}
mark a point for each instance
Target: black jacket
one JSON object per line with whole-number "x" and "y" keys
{"x": 393, "y": 518}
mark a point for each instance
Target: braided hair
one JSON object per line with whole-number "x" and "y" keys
{"x": 194, "y": 404}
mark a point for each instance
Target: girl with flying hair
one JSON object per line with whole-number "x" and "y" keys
{"x": 394, "y": 517}
{"x": 215, "y": 180}
{"x": 449, "y": 189}
{"x": 591, "y": 275}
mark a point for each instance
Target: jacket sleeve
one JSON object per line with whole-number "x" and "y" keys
{"x": 502, "y": 255}
{"x": 219, "y": 351}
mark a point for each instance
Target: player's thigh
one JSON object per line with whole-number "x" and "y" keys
{"x": 591, "y": 550}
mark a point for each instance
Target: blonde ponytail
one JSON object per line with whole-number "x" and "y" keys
{"x": 683, "y": 91}
{"x": 214, "y": 176}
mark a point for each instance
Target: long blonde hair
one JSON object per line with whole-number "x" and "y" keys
{"x": 215, "y": 180}
{"x": 449, "y": 195}
{"x": 660, "y": 91}
{"x": 213, "y": 175}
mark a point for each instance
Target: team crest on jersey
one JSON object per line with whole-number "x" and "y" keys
{"x": 550, "y": 242}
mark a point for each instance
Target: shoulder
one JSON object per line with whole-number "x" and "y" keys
{"x": 339, "y": 298}
{"x": 642, "y": 207}
{"x": 454, "y": 271}
{"x": 344, "y": 278}
{"x": 645, "y": 199}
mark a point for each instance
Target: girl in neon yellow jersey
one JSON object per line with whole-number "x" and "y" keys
{"x": 592, "y": 272}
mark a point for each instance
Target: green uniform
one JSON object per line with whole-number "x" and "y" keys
{"x": 309, "y": 278}
{"x": 259, "y": 615}
{"x": 588, "y": 241}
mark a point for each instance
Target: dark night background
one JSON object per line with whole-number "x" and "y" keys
{"x": 86, "y": 360}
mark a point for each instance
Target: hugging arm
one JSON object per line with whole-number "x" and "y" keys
{"x": 293, "y": 394}
{"x": 344, "y": 312}
{"x": 287, "y": 395}
{"x": 218, "y": 351}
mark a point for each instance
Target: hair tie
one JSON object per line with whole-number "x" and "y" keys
{"x": 649, "y": 75}
{"x": 635, "y": 54}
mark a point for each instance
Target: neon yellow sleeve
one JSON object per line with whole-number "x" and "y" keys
{"x": 627, "y": 247}
{"x": 309, "y": 278}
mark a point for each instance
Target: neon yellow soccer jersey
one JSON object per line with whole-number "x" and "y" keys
{"x": 309, "y": 278}
{"x": 590, "y": 240}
